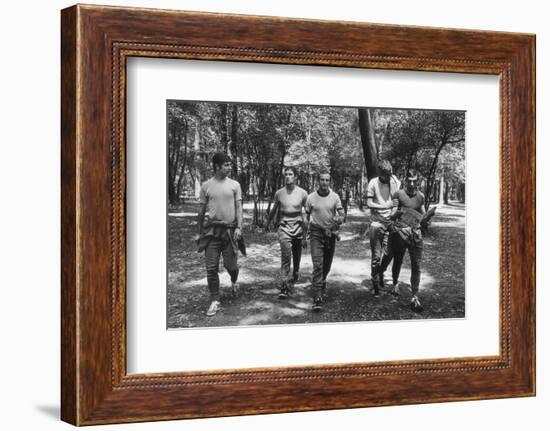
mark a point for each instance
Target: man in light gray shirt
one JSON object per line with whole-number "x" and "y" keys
{"x": 325, "y": 214}
{"x": 288, "y": 202}
{"x": 220, "y": 222}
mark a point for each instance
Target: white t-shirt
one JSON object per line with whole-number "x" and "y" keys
{"x": 382, "y": 193}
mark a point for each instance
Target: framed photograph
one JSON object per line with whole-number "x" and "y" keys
{"x": 284, "y": 157}
{"x": 264, "y": 214}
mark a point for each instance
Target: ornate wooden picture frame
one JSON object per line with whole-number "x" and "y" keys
{"x": 96, "y": 42}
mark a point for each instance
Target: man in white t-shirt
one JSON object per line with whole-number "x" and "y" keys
{"x": 220, "y": 222}
{"x": 324, "y": 214}
{"x": 288, "y": 202}
{"x": 380, "y": 191}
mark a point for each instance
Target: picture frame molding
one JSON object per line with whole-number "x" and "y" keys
{"x": 96, "y": 41}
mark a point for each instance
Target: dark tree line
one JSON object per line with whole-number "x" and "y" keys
{"x": 262, "y": 139}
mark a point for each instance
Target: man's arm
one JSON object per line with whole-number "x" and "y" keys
{"x": 239, "y": 210}
{"x": 422, "y": 209}
{"x": 239, "y": 216}
{"x": 304, "y": 208}
{"x": 272, "y": 213}
{"x": 339, "y": 211}
{"x": 203, "y": 200}
{"x": 306, "y": 230}
{"x": 308, "y": 208}
{"x": 376, "y": 206}
{"x": 200, "y": 217}
{"x": 395, "y": 213}
{"x": 340, "y": 214}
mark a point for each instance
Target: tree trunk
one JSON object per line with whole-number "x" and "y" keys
{"x": 409, "y": 163}
{"x": 262, "y": 193}
{"x": 171, "y": 193}
{"x": 171, "y": 152}
{"x": 181, "y": 178}
{"x": 223, "y": 127}
{"x": 255, "y": 215}
{"x": 361, "y": 182}
{"x": 174, "y": 164}
{"x": 197, "y": 149}
{"x": 446, "y": 194}
{"x": 368, "y": 142}
{"x": 234, "y": 137}
{"x": 431, "y": 174}
{"x": 441, "y": 190}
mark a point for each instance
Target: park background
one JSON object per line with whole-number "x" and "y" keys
{"x": 30, "y": 218}
{"x": 261, "y": 140}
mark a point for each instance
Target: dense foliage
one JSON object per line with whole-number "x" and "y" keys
{"x": 261, "y": 139}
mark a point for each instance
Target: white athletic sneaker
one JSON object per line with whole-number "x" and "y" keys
{"x": 416, "y": 305}
{"x": 213, "y": 309}
{"x": 235, "y": 289}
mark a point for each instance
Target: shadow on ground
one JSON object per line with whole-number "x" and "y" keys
{"x": 348, "y": 290}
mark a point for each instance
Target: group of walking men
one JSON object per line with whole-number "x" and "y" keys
{"x": 395, "y": 228}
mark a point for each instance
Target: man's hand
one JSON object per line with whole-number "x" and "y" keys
{"x": 237, "y": 234}
{"x": 396, "y": 215}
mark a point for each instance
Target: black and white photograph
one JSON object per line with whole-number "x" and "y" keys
{"x": 297, "y": 214}
{"x": 136, "y": 296}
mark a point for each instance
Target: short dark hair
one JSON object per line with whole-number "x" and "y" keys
{"x": 219, "y": 159}
{"x": 323, "y": 172}
{"x": 291, "y": 168}
{"x": 384, "y": 167}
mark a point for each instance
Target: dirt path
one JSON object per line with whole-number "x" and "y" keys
{"x": 348, "y": 287}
